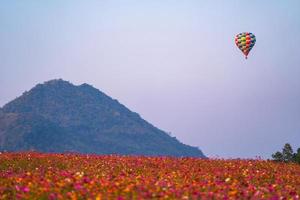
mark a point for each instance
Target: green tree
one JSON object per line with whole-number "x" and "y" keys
{"x": 278, "y": 156}
{"x": 287, "y": 153}
{"x": 297, "y": 156}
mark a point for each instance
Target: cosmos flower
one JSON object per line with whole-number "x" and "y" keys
{"x": 74, "y": 176}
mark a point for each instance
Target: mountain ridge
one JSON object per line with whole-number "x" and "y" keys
{"x": 82, "y": 119}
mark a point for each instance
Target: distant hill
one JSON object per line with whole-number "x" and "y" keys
{"x": 58, "y": 116}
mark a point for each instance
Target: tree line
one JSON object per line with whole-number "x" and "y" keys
{"x": 287, "y": 154}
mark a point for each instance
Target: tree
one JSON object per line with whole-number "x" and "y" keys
{"x": 287, "y": 153}
{"x": 278, "y": 156}
{"x": 297, "y": 156}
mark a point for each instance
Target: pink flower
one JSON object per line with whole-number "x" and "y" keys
{"x": 26, "y": 189}
{"x": 52, "y": 196}
{"x": 17, "y": 188}
{"x": 77, "y": 186}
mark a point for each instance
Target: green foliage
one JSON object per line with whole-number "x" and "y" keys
{"x": 287, "y": 155}
{"x": 297, "y": 156}
{"x": 278, "y": 156}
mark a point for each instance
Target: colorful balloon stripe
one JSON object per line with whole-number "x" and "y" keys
{"x": 245, "y": 42}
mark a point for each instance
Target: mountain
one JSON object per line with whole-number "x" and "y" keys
{"x": 57, "y": 116}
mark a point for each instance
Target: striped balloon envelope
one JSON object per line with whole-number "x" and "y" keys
{"x": 245, "y": 42}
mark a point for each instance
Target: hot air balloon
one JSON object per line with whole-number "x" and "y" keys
{"x": 245, "y": 42}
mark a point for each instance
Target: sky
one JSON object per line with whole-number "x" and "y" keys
{"x": 173, "y": 62}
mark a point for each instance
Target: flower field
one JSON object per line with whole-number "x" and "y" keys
{"x": 73, "y": 176}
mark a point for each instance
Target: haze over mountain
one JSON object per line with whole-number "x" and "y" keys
{"x": 58, "y": 116}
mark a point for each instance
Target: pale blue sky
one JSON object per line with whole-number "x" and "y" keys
{"x": 174, "y": 62}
